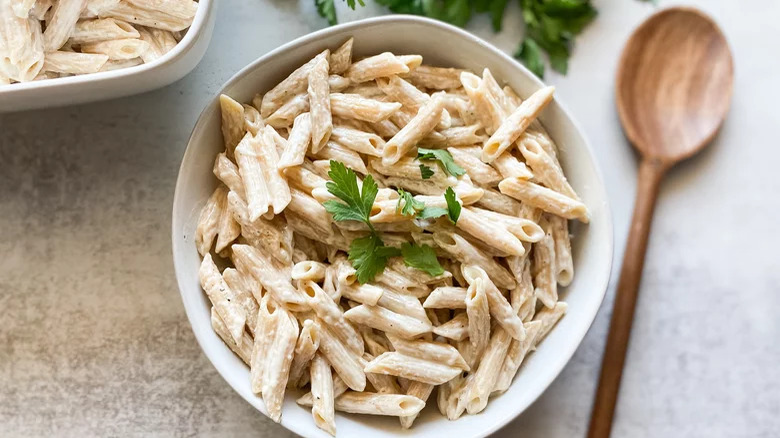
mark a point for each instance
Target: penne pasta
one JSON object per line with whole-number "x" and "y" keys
{"x": 102, "y": 29}
{"x": 433, "y": 351}
{"x": 478, "y": 312}
{"x": 355, "y": 106}
{"x": 344, "y": 361}
{"x": 395, "y": 405}
{"x": 436, "y": 78}
{"x": 269, "y": 274}
{"x": 447, "y": 297}
{"x": 120, "y": 49}
{"x": 244, "y": 351}
{"x": 319, "y": 104}
{"x": 545, "y": 169}
{"x": 382, "y": 65}
{"x": 544, "y": 270}
{"x": 544, "y": 199}
{"x": 455, "y": 329}
{"x": 341, "y": 58}
{"x": 387, "y": 321}
{"x": 323, "y": 405}
{"x": 412, "y": 368}
{"x": 296, "y": 83}
{"x": 208, "y": 222}
{"x": 65, "y": 14}
{"x": 305, "y": 349}
{"x": 73, "y": 63}
{"x": 418, "y": 127}
{"x": 329, "y": 312}
{"x": 500, "y": 309}
{"x": 220, "y": 296}
{"x": 485, "y": 377}
{"x": 514, "y": 357}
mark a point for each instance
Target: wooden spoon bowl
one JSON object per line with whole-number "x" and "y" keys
{"x": 674, "y": 87}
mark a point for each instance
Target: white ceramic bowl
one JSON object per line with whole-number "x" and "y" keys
{"x": 439, "y": 44}
{"x": 117, "y": 83}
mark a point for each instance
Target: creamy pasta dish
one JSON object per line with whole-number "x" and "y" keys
{"x": 383, "y": 228}
{"x": 45, "y": 39}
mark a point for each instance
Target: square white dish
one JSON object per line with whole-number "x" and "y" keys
{"x": 440, "y": 44}
{"x": 77, "y": 89}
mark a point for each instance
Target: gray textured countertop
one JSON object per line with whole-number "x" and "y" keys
{"x": 93, "y": 336}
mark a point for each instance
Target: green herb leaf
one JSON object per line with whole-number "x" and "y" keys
{"x": 407, "y": 205}
{"x": 425, "y": 171}
{"x": 453, "y": 206}
{"x": 421, "y": 257}
{"x": 351, "y": 4}
{"x": 443, "y": 157}
{"x": 369, "y": 256}
{"x": 432, "y": 212}
{"x": 327, "y": 10}
{"x": 531, "y": 55}
{"x": 496, "y": 10}
{"x": 357, "y": 206}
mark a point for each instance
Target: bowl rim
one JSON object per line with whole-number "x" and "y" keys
{"x": 555, "y": 368}
{"x": 205, "y": 8}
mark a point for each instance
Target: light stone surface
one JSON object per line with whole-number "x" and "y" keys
{"x": 93, "y": 336}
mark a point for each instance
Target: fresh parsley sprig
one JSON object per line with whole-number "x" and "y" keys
{"x": 407, "y": 205}
{"x": 443, "y": 157}
{"x": 551, "y": 25}
{"x": 421, "y": 257}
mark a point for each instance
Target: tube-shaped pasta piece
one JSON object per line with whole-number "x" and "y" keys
{"x": 244, "y": 351}
{"x": 232, "y": 114}
{"x": 487, "y": 109}
{"x": 489, "y": 368}
{"x": 165, "y": 39}
{"x": 499, "y": 202}
{"x": 308, "y": 207}
{"x": 289, "y": 111}
{"x": 544, "y": 199}
{"x": 220, "y": 296}
{"x": 545, "y": 169}
{"x": 419, "y": 390}
{"x": 521, "y": 269}
{"x": 278, "y": 189}
{"x": 346, "y": 362}
{"x": 544, "y": 270}
{"x": 265, "y": 332}
{"x": 465, "y": 252}
{"x": 293, "y": 85}
{"x": 228, "y": 229}
{"x": 515, "y": 124}
{"x": 505, "y": 104}
{"x": 524, "y": 229}
{"x": 549, "y": 316}
{"x": 176, "y": 8}
{"x": 145, "y": 34}
{"x": 308, "y": 270}
{"x": 319, "y": 104}
{"x": 493, "y": 233}
{"x": 434, "y": 351}
{"x": 455, "y": 329}
{"x": 341, "y": 58}
{"x": 408, "y": 167}
{"x": 402, "y": 304}
{"x": 155, "y": 17}
{"x": 337, "y": 83}
{"x": 447, "y": 297}
{"x": 358, "y": 141}
{"x": 102, "y": 29}
{"x": 268, "y": 272}
{"x": 250, "y": 167}
{"x": 409, "y": 96}
{"x": 509, "y": 166}
{"x": 65, "y": 14}
{"x": 278, "y": 359}
{"x": 329, "y": 312}
{"x": 382, "y": 383}
{"x": 127, "y": 48}
{"x": 564, "y": 266}
{"x": 253, "y": 121}
{"x": 387, "y": 321}
{"x": 500, "y": 309}
{"x": 350, "y": 158}
{"x": 303, "y": 178}
{"x": 375, "y": 343}
{"x": 412, "y": 368}
{"x": 415, "y": 275}
{"x": 397, "y": 281}
{"x": 515, "y": 355}
{"x": 73, "y": 63}
{"x": 323, "y": 407}
{"x": 435, "y": 78}
{"x": 382, "y": 65}
{"x": 475, "y": 168}
{"x": 246, "y": 294}
{"x": 361, "y": 293}
{"x": 421, "y": 124}
{"x": 384, "y": 128}
{"x": 308, "y": 342}
{"x": 339, "y": 387}
{"x": 208, "y": 222}
{"x": 457, "y": 136}
{"x": 39, "y": 9}
{"x": 478, "y": 312}
{"x": 355, "y": 106}
{"x": 297, "y": 143}
{"x": 274, "y": 236}
{"x": 395, "y": 405}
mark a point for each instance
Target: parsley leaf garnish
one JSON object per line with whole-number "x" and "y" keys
{"x": 421, "y": 257}
{"x": 425, "y": 171}
{"x": 356, "y": 206}
{"x": 443, "y": 157}
{"x": 452, "y": 211}
{"x": 369, "y": 256}
{"x": 327, "y": 10}
{"x": 410, "y": 205}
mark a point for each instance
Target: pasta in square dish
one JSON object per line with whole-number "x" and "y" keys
{"x": 382, "y": 229}
{"x": 45, "y": 39}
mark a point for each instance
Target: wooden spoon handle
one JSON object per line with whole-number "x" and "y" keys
{"x": 650, "y": 174}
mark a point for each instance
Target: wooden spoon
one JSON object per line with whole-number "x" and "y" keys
{"x": 673, "y": 91}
